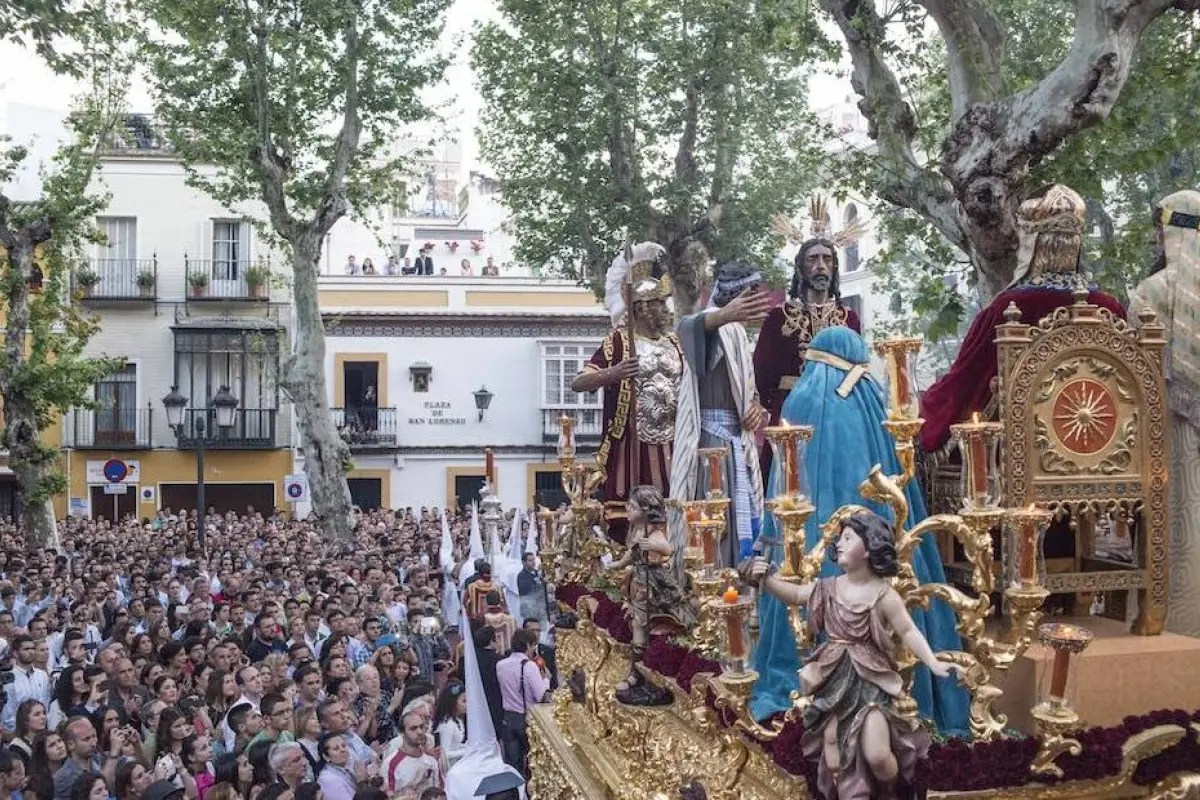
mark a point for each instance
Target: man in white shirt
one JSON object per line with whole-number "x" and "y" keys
{"x": 250, "y": 682}
{"x": 412, "y": 769}
{"x": 28, "y": 682}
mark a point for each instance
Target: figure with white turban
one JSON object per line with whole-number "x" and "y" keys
{"x": 1172, "y": 291}
{"x": 639, "y": 366}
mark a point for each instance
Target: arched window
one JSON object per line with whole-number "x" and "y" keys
{"x": 850, "y": 217}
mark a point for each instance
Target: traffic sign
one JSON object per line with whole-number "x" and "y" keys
{"x": 295, "y": 488}
{"x": 115, "y": 471}
{"x": 116, "y": 488}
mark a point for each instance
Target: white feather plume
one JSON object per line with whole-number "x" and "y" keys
{"x": 618, "y": 273}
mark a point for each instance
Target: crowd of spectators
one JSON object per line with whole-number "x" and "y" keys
{"x": 277, "y": 666}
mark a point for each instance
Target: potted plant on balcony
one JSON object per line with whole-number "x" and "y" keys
{"x": 86, "y": 279}
{"x": 146, "y": 279}
{"x": 199, "y": 283}
{"x": 256, "y": 280}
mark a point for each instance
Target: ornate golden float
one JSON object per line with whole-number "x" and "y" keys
{"x": 707, "y": 744}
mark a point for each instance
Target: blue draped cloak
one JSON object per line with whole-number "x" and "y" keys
{"x": 848, "y": 440}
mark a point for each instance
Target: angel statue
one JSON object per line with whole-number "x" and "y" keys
{"x": 852, "y": 680}
{"x": 656, "y": 602}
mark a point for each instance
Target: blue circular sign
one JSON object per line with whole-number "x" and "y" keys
{"x": 294, "y": 489}
{"x": 115, "y": 470}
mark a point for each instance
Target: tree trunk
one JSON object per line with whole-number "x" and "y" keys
{"x": 32, "y": 463}
{"x": 325, "y": 453}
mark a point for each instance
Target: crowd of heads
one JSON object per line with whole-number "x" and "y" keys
{"x": 275, "y": 666}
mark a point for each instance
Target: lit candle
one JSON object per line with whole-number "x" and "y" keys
{"x": 978, "y": 465}
{"x": 791, "y": 464}
{"x": 733, "y": 627}
{"x": 489, "y": 466}
{"x": 709, "y": 546}
{"x": 1028, "y": 554}
{"x": 714, "y": 474}
{"x": 1058, "y": 678}
{"x": 900, "y": 359}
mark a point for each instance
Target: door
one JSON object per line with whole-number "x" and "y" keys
{"x": 366, "y": 493}
{"x": 231, "y": 252}
{"x": 116, "y": 413}
{"x": 222, "y": 497}
{"x": 360, "y": 382}
{"x": 547, "y": 489}
{"x": 466, "y": 489}
{"x": 114, "y": 507}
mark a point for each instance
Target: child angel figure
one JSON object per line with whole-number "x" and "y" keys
{"x": 852, "y": 679}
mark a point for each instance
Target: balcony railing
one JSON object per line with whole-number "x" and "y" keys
{"x": 252, "y": 429}
{"x": 108, "y": 428}
{"x": 218, "y": 279}
{"x": 366, "y": 427}
{"x": 589, "y": 423}
{"x": 117, "y": 279}
{"x": 137, "y": 135}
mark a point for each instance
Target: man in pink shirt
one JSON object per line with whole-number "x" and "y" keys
{"x": 521, "y": 686}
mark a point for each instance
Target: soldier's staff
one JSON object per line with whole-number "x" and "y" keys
{"x": 633, "y": 446}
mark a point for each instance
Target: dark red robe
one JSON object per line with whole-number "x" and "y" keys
{"x": 778, "y": 362}
{"x": 966, "y": 387}
{"x": 613, "y": 454}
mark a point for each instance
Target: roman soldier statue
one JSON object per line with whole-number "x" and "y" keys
{"x": 814, "y": 303}
{"x": 1050, "y": 227}
{"x": 639, "y": 366}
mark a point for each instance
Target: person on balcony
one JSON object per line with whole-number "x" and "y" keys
{"x": 424, "y": 263}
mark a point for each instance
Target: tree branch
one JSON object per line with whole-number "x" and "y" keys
{"x": 270, "y": 169}
{"x": 334, "y": 204}
{"x": 974, "y": 50}
{"x": 685, "y": 155}
{"x": 904, "y": 182}
{"x": 620, "y": 152}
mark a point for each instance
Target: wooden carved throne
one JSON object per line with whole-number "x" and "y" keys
{"x": 1083, "y": 403}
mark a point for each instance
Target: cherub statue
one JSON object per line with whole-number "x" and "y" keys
{"x": 655, "y": 600}
{"x": 852, "y": 678}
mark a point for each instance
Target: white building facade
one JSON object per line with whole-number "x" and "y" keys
{"x": 458, "y": 365}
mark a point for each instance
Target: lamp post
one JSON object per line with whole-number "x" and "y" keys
{"x": 224, "y": 406}
{"x": 483, "y": 399}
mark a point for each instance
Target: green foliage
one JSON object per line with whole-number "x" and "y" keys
{"x": 146, "y": 278}
{"x": 257, "y": 276}
{"x": 44, "y": 368}
{"x": 261, "y": 92}
{"x": 1146, "y": 149}
{"x": 647, "y": 117}
{"x": 197, "y": 280}
{"x": 87, "y": 277}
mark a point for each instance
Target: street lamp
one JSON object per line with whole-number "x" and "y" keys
{"x": 483, "y": 399}
{"x": 224, "y": 406}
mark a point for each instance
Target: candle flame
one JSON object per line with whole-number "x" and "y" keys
{"x": 1032, "y": 507}
{"x": 974, "y": 417}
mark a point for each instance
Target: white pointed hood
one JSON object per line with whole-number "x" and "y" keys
{"x": 482, "y": 759}
{"x": 451, "y": 606}
{"x": 476, "y": 548}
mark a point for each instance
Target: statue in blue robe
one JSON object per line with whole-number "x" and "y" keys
{"x": 845, "y": 406}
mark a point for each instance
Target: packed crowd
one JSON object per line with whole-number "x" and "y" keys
{"x": 279, "y": 667}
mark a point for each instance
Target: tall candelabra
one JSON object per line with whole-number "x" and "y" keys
{"x": 984, "y": 654}
{"x": 578, "y": 548}
{"x": 706, "y": 519}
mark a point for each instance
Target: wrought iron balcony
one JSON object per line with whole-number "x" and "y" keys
{"x": 219, "y": 279}
{"x": 366, "y": 428}
{"x": 117, "y": 279}
{"x": 589, "y": 424}
{"x": 108, "y": 429}
{"x": 252, "y": 429}
{"x": 137, "y": 135}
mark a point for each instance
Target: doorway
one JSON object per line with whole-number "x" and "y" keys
{"x": 366, "y": 493}
{"x": 114, "y": 507}
{"x": 360, "y": 383}
{"x": 466, "y": 490}
{"x": 221, "y": 497}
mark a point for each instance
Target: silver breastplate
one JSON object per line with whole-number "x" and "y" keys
{"x": 661, "y": 368}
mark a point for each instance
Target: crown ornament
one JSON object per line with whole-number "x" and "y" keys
{"x": 820, "y": 226}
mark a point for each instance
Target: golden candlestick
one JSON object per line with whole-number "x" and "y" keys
{"x": 976, "y": 440}
{"x": 904, "y": 433}
{"x": 1026, "y": 530}
{"x": 900, "y": 358}
{"x": 1053, "y": 718}
{"x": 566, "y": 436}
{"x": 714, "y": 460}
{"x": 785, "y": 440}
